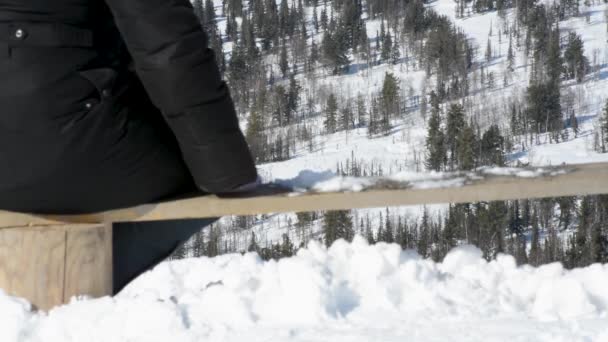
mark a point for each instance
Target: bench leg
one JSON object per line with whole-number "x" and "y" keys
{"x": 48, "y": 265}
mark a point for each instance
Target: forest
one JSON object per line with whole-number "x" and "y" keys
{"x": 277, "y": 55}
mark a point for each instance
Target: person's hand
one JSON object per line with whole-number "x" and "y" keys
{"x": 245, "y": 188}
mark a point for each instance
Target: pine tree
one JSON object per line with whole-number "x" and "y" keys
{"x": 454, "y": 126}
{"x": 492, "y": 151}
{"x": 284, "y": 20}
{"x": 331, "y": 110}
{"x": 574, "y": 124}
{"x": 574, "y": 57}
{"x": 180, "y": 252}
{"x": 361, "y": 110}
{"x": 387, "y": 47}
{"x": 346, "y": 117}
{"x": 390, "y": 96}
{"x": 255, "y": 136}
{"x": 435, "y": 143}
{"x": 293, "y": 95}
{"x": 253, "y": 244}
{"x": 284, "y": 61}
{"x": 423, "y": 245}
{"x": 363, "y": 43}
{"x": 465, "y": 148}
{"x": 489, "y": 51}
{"x": 324, "y": 19}
{"x": 491, "y": 80}
{"x": 337, "y": 225}
{"x": 334, "y": 51}
{"x": 281, "y": 113}
{"x": 535, "y": 256}
{"x": 396, "y": 53}
{"x": 510, "y": 56}
{"x": 449, "y": 233}
{"x": 287, "y": 247}
{"x": 604, "y": 128}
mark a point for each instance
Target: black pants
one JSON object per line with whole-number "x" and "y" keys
{"x": 139, "y": 246}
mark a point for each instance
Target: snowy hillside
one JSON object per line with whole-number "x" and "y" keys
{"x": 497, "y": 85}
{"x": 325, "y": 88}
{"x": 351, "y": 292}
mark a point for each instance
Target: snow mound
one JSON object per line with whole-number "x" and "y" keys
{"x": 327, "y": 181}
{"x": 349, "y": 292}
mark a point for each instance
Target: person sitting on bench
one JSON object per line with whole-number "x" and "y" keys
{"x": 113, "y": 103}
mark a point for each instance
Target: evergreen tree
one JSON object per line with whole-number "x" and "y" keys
{"x": 324, "y": 19}
{"x": 574, "y": 57}
{"x": 346, "y": 117}
{"x": 510, "y": 56}
{"x": 387, "y": 47}
{"x": 180, "y": 252}
{"x": 574, "y": 123}
{"x": 390, "y": 96}
{"x": 284, "y": 61}
{"x": 293, "y": 95}
{"x": 489, "y": 51}
{"x": 604, "y": 128}
{"x": 465, "y": 148}
{"x": 535, "y": 256}
{"x": 337, "y": 225}
{"x": 454, "y": 126}
{"x": 255, "y": 136}
{"x": 423, "y": 245}
{"x": 334, "y": 51}
{"x": 361, "y": 110}
{"x": 331, "y": 110}
{"x": 396, "y": 53}
{"x": 435, "y": 142}
{"x": 253, "y": 244}
{"x": 492, "y": 151}
{"x": 287, "y": 247}
{"x": 544, "y": 108}
{"x": 281, "y": 112}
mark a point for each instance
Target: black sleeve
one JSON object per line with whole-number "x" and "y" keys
{"x": 181, "y": 77}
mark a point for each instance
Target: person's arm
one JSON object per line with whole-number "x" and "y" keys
{"x": 180, "y": 74}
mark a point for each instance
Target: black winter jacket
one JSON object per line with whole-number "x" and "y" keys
{"x": 111, "y": 103}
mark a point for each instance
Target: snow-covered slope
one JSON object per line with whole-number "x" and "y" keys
{"x": 404, "y": 148}
{"x": 351, "y": 292}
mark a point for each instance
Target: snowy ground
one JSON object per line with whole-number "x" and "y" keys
{"x": 351, "y": 292}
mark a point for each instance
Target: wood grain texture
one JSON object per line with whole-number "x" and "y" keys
{"x": 32, "y": 264}
{"x": 584, "y": 179}
{"x": 88, "y": 262}
{"x": 48, "y": 265}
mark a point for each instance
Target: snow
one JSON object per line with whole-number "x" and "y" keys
{"x": 327, "y": 181}
{"x": 349, "y": 292}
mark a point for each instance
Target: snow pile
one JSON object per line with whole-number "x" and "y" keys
{"x": 327, "y": 181}
{"x": 350, "y": 292}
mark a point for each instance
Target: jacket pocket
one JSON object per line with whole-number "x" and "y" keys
{"x": 102, "y": 83}
{"x": 103, "y": 79}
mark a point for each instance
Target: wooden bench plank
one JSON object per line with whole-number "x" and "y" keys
{"x": 584, "y": 179}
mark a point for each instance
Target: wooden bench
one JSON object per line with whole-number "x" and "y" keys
{"x": 49, "y": 259}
